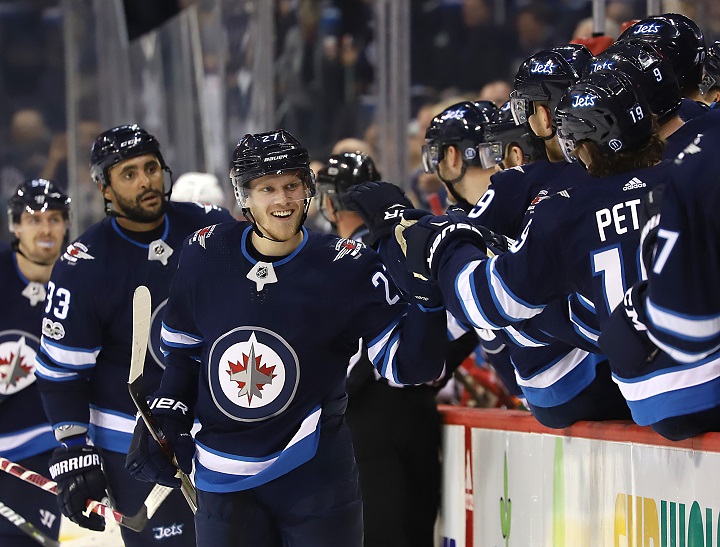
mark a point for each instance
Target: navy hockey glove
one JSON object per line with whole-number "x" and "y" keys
{"x": 649, "y": 217}
{"x": 380, "y": 205}
{"x": 624, "y": 338}
{"x": 425, "y": 237}
{"x": 78, "y": 473}
{"x": 146, "y": 459}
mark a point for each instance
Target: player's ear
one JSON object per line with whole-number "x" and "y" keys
{"x": 516, "y": 156}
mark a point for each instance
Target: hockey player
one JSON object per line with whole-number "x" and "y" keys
{"x": 580, "y": 240}
{"x": 710, "y": 84}
{"x": 663, "y": 341}
{"x": 84, "y": 356}
{"x": 681, "y": 40}
{"x": 256, "y": 352}
{"x": 450, "y": 150}
{"x": 38, "y": 214}
{"x": 395, "y": 428}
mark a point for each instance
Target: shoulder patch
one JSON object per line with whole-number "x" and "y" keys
{"x": 202, "y": 234}
{"x": 348, "y": 247}
{"x": 76, "y": 251}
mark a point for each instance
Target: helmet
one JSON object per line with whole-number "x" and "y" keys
{"x": 577, "y": 55}
{"x": 544, "y": 76}
{"x": 461, "y": 125}
{"x": 648, "y": 68}
{"x": 118, "y": 144}
{"x": 711, "y": 69}
{"x": 502, "y": 131}
{"x": 199, "y": 187}
{"x": 341, "y": 172}
{"x": 607, "y": 109}
{"x": 37, "y": 195}
{"x": 267, "y": 154}
{"x": 678, "y": 38}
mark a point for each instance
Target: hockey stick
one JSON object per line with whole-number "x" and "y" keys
{"x": 135, "y": 522}
{"x": 142, "y": 308}
{"x": 27, "y": 527}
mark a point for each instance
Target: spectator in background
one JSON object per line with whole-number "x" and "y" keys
{"x": 497, "y": 92}
{"x": 461, "y": 41}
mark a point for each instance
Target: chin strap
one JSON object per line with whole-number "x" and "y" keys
{"x": 449, "y": 184}
{"x": 551, "y": 135}
{"x": 16, "y": 248}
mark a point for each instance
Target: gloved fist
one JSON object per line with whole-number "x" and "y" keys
{"x": 147, "y": 460}
{"x": 380, "y": 205}
{"x": 424, "y": 238}
{"x": 78, "y": 473}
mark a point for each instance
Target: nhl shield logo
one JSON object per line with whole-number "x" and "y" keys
{"x": 17, "y": 360}
{"x": 253, "y": 373}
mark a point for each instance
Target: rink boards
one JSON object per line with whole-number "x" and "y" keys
{"x": 508, "y": 481}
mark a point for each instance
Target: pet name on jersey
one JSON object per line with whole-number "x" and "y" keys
{"x": 621, "y": 216}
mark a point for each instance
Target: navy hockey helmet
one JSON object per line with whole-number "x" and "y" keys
{"x": 340, "y": 173}
{"x": 272, "y": 153}
{"x": 460, "y": 125}
{"x": 647, "y": 68}
{"x": 577, "y": 55}
{"x": 37, "y": 196}
{"x": 711, "y": 69}
{"x": 544, "y": 77}
{"x": 679, "y": 38}
{"x": 605, "y": 108}
{"x": 118, "y": 144}
{"x": 502, "y": 131}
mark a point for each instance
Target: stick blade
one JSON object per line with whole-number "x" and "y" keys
{"x": 142, "y": 312}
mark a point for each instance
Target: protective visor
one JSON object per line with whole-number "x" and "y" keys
{"x": 567, "y": 145}
{"x": 491, "y": 153}
{"x": 521, "y": 108}
{"x": 430, "y": 157}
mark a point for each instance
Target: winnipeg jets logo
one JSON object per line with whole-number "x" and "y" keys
{"x": 201, "y": 235}
{"x": 253, "y": 373}
{"x": 17, "y": 361}
{"x": 76, "y": 251}
{"x": 348, "y": 247}
{"x": 543, "y": 68}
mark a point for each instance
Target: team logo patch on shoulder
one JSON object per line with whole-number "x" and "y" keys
{"x": 201, "y": 235}
{"x": 543, "y": 194}
{"x": 76, "y": 251}
{"x": 348, "y": 247}
{"x": 253, "y": 374}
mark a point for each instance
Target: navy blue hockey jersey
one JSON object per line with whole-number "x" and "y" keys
{"x": 681, "y": 308}
{"x": 581, "y": 240}
{"x": 502, "y": 207}
{"x": 686, "y": 134}
{"x": 270, "y": 343}
{"x": 84, "y": 359}
{"x": 24, "y": 428}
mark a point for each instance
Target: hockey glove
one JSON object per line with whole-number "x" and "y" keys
{"x": 380, "y": 205}
{"x": 78, "y": 473}
{"x": 147, "y": 460}
{"x": 649, "y": 217}
{"x": 624, "y": 338}
{"x": 424, "y": 238}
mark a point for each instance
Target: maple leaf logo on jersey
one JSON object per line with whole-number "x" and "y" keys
{"x": 76, "y": 251}
{"x": 251, "y": 375}
{"x": 201, "y": 235}
{"x": 346, "y": 247}
{"x": 17, "y": 361}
